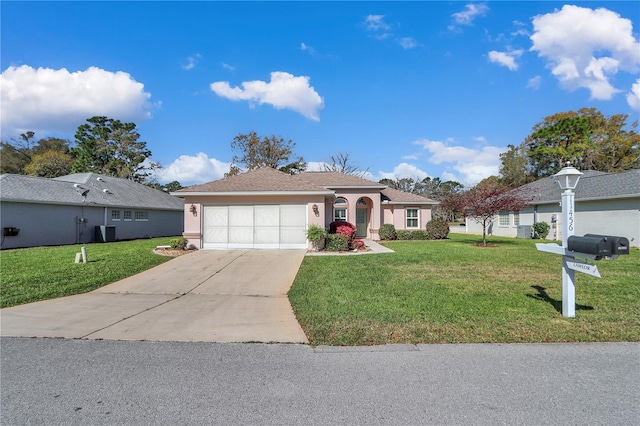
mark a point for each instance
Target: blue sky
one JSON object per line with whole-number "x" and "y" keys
{"x": 406, "y": 89}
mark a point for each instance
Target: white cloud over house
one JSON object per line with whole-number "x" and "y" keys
{"x": 191, "y": 170}
{"x": 57, "y": 100}
{"x": 469, "y": 165}
{"x": 586, "y": 48}
{"x": 283, "y": 91}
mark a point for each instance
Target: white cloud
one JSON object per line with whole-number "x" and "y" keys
{"x": 408, "y": 42}
{"x": 534, "y": 82}
{"x": 376, "y": 23}
{"x": 633, "y": 97}
{"x": 284, "y": 91}
{"x": 506, "y": 59}
{"x": 586, "y": 48}
{"x": 316, "y": 166}
{"x": 192, "y": 61}
{"x": 228, "y": 67}
{"x": 469, "y": 14}
{"x": 307, "y": 48}
{"x": 191, "y": 170}
{"x": 46, "y": 100}
{"x": 472, "y": 164}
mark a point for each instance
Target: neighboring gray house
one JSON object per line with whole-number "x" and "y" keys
{"x": 605, "y": 203}
{"x": 83, "y": 208}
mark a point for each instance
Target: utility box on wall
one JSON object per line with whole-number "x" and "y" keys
{"x": 525, "y": 231}
{"x": 105, "y": 234}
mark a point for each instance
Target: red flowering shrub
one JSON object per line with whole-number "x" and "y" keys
{"x": 359, "y": 245}
{"x": 346, "y": 229}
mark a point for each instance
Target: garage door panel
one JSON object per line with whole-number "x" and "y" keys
{"x": 267, "y": 216}
{"x": 240, "y": 216}
{"x": 216, "y": 235}
{"x": 293, "y": 215}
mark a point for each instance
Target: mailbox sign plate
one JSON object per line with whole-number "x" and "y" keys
{"x": 586, "y": 268}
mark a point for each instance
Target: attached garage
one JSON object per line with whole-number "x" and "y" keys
{"x": 280, "y": 226}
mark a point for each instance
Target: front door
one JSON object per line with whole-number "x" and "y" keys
{"x": 361, "y": 222}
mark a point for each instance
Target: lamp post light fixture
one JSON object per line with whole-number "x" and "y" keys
{"x": 568, "y": 180}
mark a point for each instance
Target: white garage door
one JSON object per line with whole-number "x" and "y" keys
{"x": 255, "y": 226}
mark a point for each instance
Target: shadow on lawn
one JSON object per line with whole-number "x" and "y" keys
{"x": 557, "y": 304}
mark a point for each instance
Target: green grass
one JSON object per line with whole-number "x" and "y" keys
{"x": 454, "y": 292}
{"x": 39, "y": 273}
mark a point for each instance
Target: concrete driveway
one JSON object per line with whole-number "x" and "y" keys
{"x": 205, "y": 296}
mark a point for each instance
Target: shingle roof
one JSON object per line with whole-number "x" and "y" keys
{"x": 592, "y": 185}
{"x": 265, "y": 179}
{"x": 338, "y": 180}
{"x": 62, "y": 190}
{"x": 395, "y": 196}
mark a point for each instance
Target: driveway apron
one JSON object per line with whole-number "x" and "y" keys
{"x": 205, "y": 296}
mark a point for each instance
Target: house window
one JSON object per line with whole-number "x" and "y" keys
{"x": 340, "y": 209}
{"x": 115, "y": 215}
{"x": 127, "y": 215}
{"x": 412, "y": 218}
{"x": 516, "y": 218}
{"x": 503, "y": 218}
{"x": 142, "y": 216}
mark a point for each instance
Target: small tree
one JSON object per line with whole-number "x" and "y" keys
{"x": 484, "y": 201}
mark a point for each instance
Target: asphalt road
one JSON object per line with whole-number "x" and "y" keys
{"x": 93, "y": 382}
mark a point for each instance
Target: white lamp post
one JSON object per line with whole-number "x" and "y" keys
{"x": 568, "y": 179}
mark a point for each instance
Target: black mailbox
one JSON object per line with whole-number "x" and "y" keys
{"x": 598, "y": 245}
{"x": 589, "y": 245}
{"x": 618, "y": 245}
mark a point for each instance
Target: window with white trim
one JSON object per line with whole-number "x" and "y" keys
{"x": 142, "y": 216}
{"x": 412, "y": 218}
{"x": 503, "y": 218}
{"x": 115, "y": 215}
{"x": 126, "y": 215}
{"x": 340, "y": 210}
{"x": 516, "y": 218}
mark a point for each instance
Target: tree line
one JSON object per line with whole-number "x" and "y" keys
{"x": 586, "y": 138}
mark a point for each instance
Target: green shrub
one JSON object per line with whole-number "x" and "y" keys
{"x": 315, "y": 233}
{"x": 336, "y": 242}
{"x": 418, "y": 234}
{"x": 178, "y": 243}
{"x": 387, "y": 232}
{"x": 540, "y": 230}
{"x": 403, "y": 234}
{"x": 437, "y": 229}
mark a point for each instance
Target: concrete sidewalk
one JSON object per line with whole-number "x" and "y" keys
{"x": 205, "y": 296}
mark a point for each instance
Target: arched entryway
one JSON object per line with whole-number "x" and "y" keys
{"x": 363, "y": 215}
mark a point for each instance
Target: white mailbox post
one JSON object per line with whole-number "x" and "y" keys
{"x": 568, "y": 179}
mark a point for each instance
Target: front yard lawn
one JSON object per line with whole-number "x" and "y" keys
{"x": 39, "y": 273}
{"x": 455, "y": 292}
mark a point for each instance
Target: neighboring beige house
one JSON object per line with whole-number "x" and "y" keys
{"x": 605, "y": 203}
{"x": 266, "y": 208}
{"x": 83, "y": 208}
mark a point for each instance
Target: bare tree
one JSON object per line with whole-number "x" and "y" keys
{"x": 342, "y": 163}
